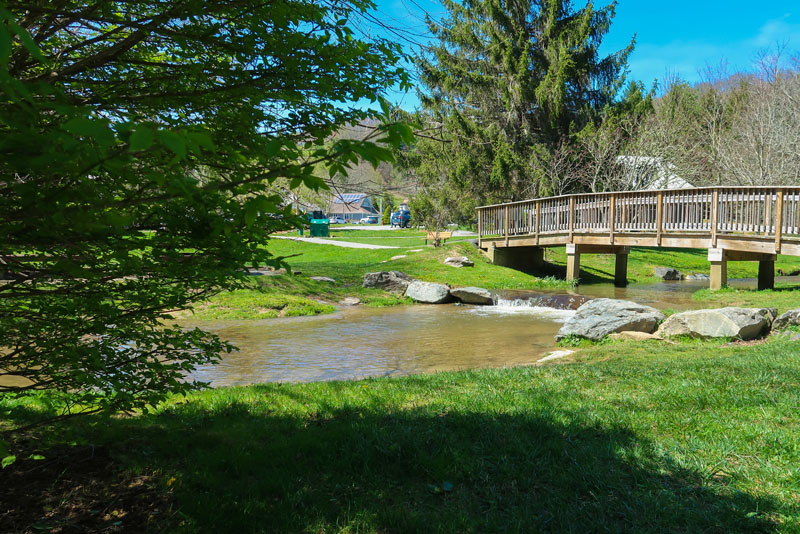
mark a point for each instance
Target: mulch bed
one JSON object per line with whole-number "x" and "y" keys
{"x": 80, "y": 489}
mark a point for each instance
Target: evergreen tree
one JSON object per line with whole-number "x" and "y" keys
{"x": 509, "y": 82}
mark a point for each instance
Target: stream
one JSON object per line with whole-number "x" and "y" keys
{"x": 358, "y": 341}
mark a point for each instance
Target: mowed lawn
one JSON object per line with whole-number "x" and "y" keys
{"x": 623, "y": 437}
{"x": 282, "y": 296}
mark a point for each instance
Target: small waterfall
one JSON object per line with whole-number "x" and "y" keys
{"x": 540, "y": 300}
{"x": 527, "y": 306}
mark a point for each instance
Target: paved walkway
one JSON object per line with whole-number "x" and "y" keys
{"x": 321, "y": 241}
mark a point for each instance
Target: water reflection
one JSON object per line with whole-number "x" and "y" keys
{"x": 360, "y": 342}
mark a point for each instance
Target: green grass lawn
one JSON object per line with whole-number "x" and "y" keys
{"x": 273, "y": 296}
{"x": 292, "y": 295}
{"x": 784, "y": 297}
{"x": 625, "y": 437}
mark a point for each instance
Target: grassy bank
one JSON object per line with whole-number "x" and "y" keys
{"x": 784, "y": 297}
{"x": 272, "y": 296}
{"x": 633, "y": 437}
{"x": 280, "y": 296}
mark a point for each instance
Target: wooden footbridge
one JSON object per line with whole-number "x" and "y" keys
{"x": 733, "y": 223}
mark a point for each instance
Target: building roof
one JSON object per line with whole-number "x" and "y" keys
{"x": 349, "y": 198}
{"x": 651, "y": 173}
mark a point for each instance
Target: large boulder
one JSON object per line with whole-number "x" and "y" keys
{"x": 392, "y": 281}
{"x": 473, "y": 295}
{"x": 600, "y": 317}
{"x": 740, "y": 323}
{"x": 428, "y": 292}
{"x": 785, "y": 320}
{"x": 668, "y": 273}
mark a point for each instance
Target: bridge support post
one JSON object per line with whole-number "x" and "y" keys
{"x": 719, "y": 259}
{"x": 621, "y": 268}
{"x": 766, "y": 274}
{"x": 573, "y": 263}
{"x": 719, "y": 268}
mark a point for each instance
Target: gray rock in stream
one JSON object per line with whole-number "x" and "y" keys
{"x": 392, "y": 281}
{"x": 428, "y": 292}
{"x": 739, "y": 323}
{"x": 668, "y": 273}
{"x": 473, "y": 295}
{"x": 600, "y": 317}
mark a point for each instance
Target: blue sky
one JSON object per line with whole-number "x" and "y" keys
{"x": 673, "y": 37}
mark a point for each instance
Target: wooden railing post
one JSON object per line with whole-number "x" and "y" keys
{"x": 505, "y": 225}
{"x": 538, "y": 219}
{"x": 714, "y": 216}
{"x": 659, "y": 216}
{"x": 571, "y": 218}
{"x": 778, "y": 221}
{"x": 611, "y": 217}
{"x": 480, "y": 226}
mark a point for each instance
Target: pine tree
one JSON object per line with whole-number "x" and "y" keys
{"x": 509, "y": 82}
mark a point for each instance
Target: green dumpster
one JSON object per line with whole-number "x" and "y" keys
{"x": 319, "y": 225}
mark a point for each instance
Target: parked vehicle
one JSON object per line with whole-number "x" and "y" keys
{"x": 338, "y": 220}
{"x": 371, "y": 219}
{"x": 401, "y": 218}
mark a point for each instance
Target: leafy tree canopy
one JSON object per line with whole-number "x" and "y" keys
{"x": 139, "y": 141}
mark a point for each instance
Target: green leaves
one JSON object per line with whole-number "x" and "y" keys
{"x": 141, "y": 139}
{"x": 6, "y": 459}
{"x": 149, "y": 180}
{"x": 91, "y": 128}
{"x": 173, "y": 141}
{"x": 10, "y": 29}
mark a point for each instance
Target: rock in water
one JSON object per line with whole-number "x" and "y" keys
{"x": 698, "y": 276}
{"x": 350, "y": 301}
{"x": 785, "y": 320}
{"x": 392, "y": 281}
{"x": 428, "y": 292}
{"x": 668, "y": 273}
{"x": 473, "y": 295}
{"x": 460, "y": 261}
{"x": 740, "y": 323}
{"x": 600, "y": 317}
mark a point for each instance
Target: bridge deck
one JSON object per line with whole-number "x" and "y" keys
{"x": 729, "y": 221}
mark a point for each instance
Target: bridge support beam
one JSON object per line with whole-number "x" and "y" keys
{"x": 520, "y": 258}
{"x": 620, "y": 265}
{"x": 719, "y": 259}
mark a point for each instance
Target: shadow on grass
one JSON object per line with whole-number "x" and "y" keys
{"x": 239, "y": 469}
{"x": 589, "y": 275}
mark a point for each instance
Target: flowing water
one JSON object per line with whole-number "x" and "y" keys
{"x": 360, "y": 341}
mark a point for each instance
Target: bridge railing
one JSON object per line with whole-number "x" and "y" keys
{"x": 765, "y": 211}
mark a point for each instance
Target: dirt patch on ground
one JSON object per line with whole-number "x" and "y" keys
{"x": 81, "y": 489}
